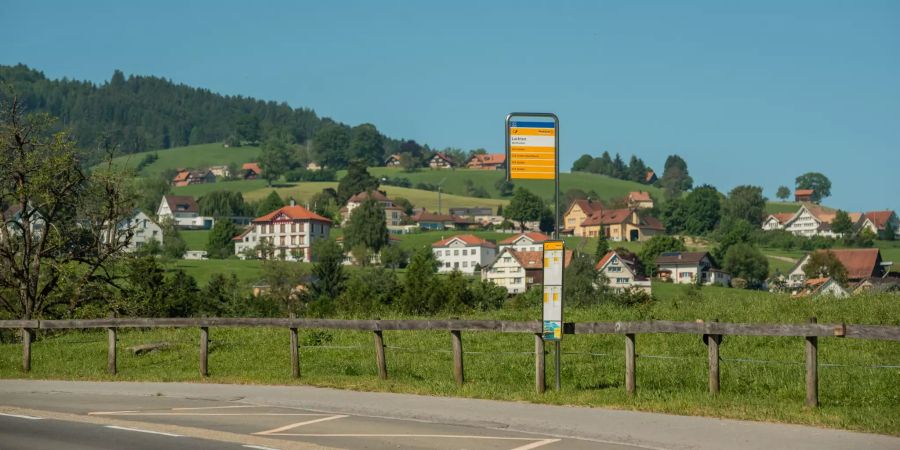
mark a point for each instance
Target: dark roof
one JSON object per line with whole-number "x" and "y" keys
{"x": 687, "y": 258}
{"x": 182, "y": 203}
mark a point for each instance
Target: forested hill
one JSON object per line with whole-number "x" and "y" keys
{"x": 144, "y": 112}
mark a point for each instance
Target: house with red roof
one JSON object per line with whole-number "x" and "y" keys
{"x": 577, "y": 213}
{"x": 488, "y": 161}
{"x": 250, "y": 171}
{"x": 804, "y": 195}
{"x": 440, "y": 160}
{"x": 518, "y": 270}
{"x": 621, "y": 225}
{"x": 881, "y": 222}
{"x": 465, "y": 253}
{"x": 289, "y": 232}
{"x": 639, "y": 200}
{"x": 531, "y": 241}
{"x": 621, "y": 275}
{"x": 861, "y": 264}
{"x": 810, "y": 220}
{"x": 776, "y": 221}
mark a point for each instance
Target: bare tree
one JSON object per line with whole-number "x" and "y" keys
{"x": 61, "y": 227}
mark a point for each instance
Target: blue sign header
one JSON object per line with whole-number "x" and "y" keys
{"x": 532, "y": 125}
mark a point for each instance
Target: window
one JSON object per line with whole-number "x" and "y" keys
{"x": 507, "y": 259}
{"x": 684, "y": 275}
{"x": 281, "y": 228}
{"x": 455, "y": 252}
{"x": 614, "y": 269}
{"x": 517, "y": 280}
{"x": 622, "y": 280}
{"x": 474, "y": 252}
{"x": 465, "y": 264}
{"x": 465, "y": 252}
{"x": 282, "y": 241}
{"x": 446, "y": 264}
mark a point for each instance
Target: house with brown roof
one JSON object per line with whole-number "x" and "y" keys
{"x": 639, "y": 200}
{"x": 392, "y": 160}
{"x": 488, "y": 161}
{"x": 393, "y": 214}
{"x": 250, "y": 171}
{"x": 518, "y": 270}
{"x": 433, "y": 221}
{"x": 530, "y": 241}
{"x": 184, "y": 211}
{"x": 881, "y": 222}
{"x": 440, "y": 160}
{"x": 187, "y": 177}
{"x": 776, "y": 221}
{"x": 577, "y": 213}
{"x": 804, "y": 195}
{"x": 861, "y": 263}
{"x": 620, "y": 273}
{"x": 621, "y": 225}
{"x": 289, "y": 231}
{"x": 465, "y": 253}
{"x": 690, "y": 267}
{"x": 809, "y": 220}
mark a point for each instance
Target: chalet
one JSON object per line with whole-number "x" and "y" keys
{"x": 289, "y": 231}
{"x": 621, "y": 274}
{"x": 250, "y": 171}
{"x": 312, "y": 166}
{"x": 809, "y": 220}
{"x": 776, "y": 221}
{"x": 639, "y": 200}
{"x": 220, "y": 171}
{"x": 578, "y": 211}
{"x": 188, "y": 177}
{"x": 432, "y": 221}
{"x": 184, "y": 211}
{"x": 861, "y": 263}
{"x": 489, "y": 161}
{"x": 393, "y": 214}
{"x": 650, "y": 177}
{"x": 464, "y": 253}
{"x": 881, "y": 222}
{"x": 518, "y": 270}
{"x": 392, "y": 161}
{"x": 525, "y": 242}
{"x": 804, "y": 195}
{"x": 827, "y": 287}
{"x": 690, "y": 267}
{"x": 621, "y": 225}
{"x": 440, "y": 161}
{"x": 142, "y": 230}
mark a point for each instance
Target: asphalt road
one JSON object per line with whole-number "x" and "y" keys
{"x": 90, "y": 415}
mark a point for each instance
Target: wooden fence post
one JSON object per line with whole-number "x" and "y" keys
{"x": 26, "y": 349}
{"x": 539, "y": 373}
{"x": 629, "y": 364}
{"x": 379, "y": 355}
{"x": 111, "y": 352}
{"x": 712, "y": 343}
{"x": 295, "y": 354}
{"x": 204, "y": 351}
{"x": 812, "y": 369}
{"x": 458, "y": 372}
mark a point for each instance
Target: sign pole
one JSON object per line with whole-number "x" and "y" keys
{"x": 556, "y": 353}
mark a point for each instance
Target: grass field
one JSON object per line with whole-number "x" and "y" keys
{"x": 195, "y": 239}
{"x": 191, "y": 157}
{"x": 781, "y": 207}
{"x": 247, "y": 271}
{"x": 762, "y": 378}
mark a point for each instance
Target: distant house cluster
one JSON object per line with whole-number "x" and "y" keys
{"x": 815, "y": 220}
{"x": 187, "y": 177}
{"x": 440, "y": 160}
{"x": 587, "y": 218}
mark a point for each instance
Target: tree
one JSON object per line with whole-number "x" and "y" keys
{"x": 842, "y": 224}
{"x": 619, "y": 169}
{"x": 890, "y": 232}
{"x": 602, "y": 246}
{"x": 281, "y": 279}
{"x": 637, "y": 170}
{"x": 330, "y": 145}
{"x": 407, "y": 205}
{"x": 275, "y": 156}
{"x": 173, "y": 244}
{"x": 822, "y": 264}
{"x": 271, "y": 203}
{"x": 524, "y": 207}
{"x": 820, "y": 184}
{"x": 504, "y": 188}
{"x": 246, "y": 128}
{"x": 783, "y": 193}
{"x": 223, "y": 204}
{"x": 328, "y": 271}
{"x": 394, "y": 257}
{"x": 656, "y": 246}
{"x": 732, "y": 231}
{"x": 357, "y": 180}
{"x": 150, "y": 191}
{"x": 703, "y": 210}
{"x": 221, "y": 296}
{"x": 57, "y": 220}
{"x": 220, "y": 243}
{"x": 581, "y": 164}
{"x": 746, "y": 203}
{"x": 548, "y": 221}
{"x": 421, "y": 293}
{"x": 366, "y": 144}
{"x": 180, "y": 295}
{"x": 581, "y": 276}
{"x": 366, "y": 227}
{"x": 746, "y": 261}
{"x": 676, "y": 178}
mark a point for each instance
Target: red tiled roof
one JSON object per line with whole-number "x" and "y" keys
{"x": 605, "y": 259}
{"x": 181, "y": 176}
{"x": 533, "y": 235}
{"x": 879, "y": 218}
{"x": 782, "y": 217}
{"x": 488, "y": 159}
{"x": 252, "y": 166}
{"x": 859, "y": 262}
{"x": 652, "y": 223}
{"x": 535, "y": 260}
{"x": 469, "y": 239}
{"x": 587, "y": 206}
{"x": 804, "y": 192}
{"x": 293, "y": 212}
{"x": 608, "y": 217}
{"x": 639, "y": 196}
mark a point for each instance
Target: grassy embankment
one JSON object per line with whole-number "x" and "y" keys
{"x": 671, "y": 369}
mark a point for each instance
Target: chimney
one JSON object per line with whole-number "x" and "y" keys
{"x": 292, "y": 202}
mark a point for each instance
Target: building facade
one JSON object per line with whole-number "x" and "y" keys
{"x": 464, "y": 253}
{"x": 288, "y": 234}
{"x": 621, "y": 274}
{"x": 393, "y": 214}
{"x": 525, "y": 242}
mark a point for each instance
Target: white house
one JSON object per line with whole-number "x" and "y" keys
{"x": 525, "y": 242}
{"x": 879, "y": 222}
{"x": 290, "y": 231}
{"x": 809, "y": 220}
{"x": 184, "y": 210}
{"x": 508, "y": 269}
{"x": 14, "y": 219}
{"x": 620, "y": 273}
{"x": 464, "y": 253}
{"x": 142, "y": 229}
{"x": 690, "y": 267}
{"x": 860, "y": 263}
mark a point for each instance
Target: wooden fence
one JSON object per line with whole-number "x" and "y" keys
{"x": 712, "y": 333}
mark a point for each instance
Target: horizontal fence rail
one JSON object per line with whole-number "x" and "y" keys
{"x": 712, "y": 333}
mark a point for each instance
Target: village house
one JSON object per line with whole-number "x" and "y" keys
{"x": 289, "y": 231}
{"x": 861, "y": 264}
{"x": 690, "y": 267}
{"x": 14, "y": 219}
{"x": 531, "y": 241}
{"x": 142, "y": 230}
{"x": 433, "y": 221}
{"x": 250, "y": 171}
{"x": 873, "y": 285}
{"x": 313, "y": 166}
{"x": 188, "y": 177}
{"x": 518, "y": 270}
{"x": 393, "y": 214}
{"x": 804, "y": 195}
{"x": 621, "y": 275}
{"x": 639, "y": 200}
{"x": 621, "y": 225}
{"x": 577, "y": 213}
{"x": 392, "y": 161}
{"x": 464, "y": 253}
{"x": 809, "y": 220}
{"x": 184, "y": 211}
{"x": 489, "y": 161}
{"x": 220, "y": 171}
{"x": 828, "y": 287}
{"x": 650, "y": 177}
{"x": 776, "y": 221}
{"x": 440, "y": 161}
{"x": 881, "y": 222}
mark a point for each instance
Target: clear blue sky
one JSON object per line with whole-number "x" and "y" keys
{"x": 747, "y": 92}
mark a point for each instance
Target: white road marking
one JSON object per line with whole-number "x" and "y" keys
{"x": 114, "y": 427}
{"x": 137, "y": 413}
{"x": 536, "y": 444}
{"x": 299, "y": 424}
{"x": 260, "y": 447}
{"x": 21, "y": 416}
{"x": 106, "y": 413}
{"x": 217, "y": 407}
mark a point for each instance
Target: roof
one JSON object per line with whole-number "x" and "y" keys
{"x": 586, "y": 205}
{"x": 535, "y": 260}
{"x": 691, "y": 258}
{"x": 252, "y": 166}
{"x": 607, "y": 217}
{"x": 443, "y": 156}
{"x": 639, "y": 196}
{"x": 649, "y": 176}
{"x": 365, "y": 195}
{"x": 392, "y": 157}
{"x": 426, "y": 216}
{"x": 469, "y": 239}
{"x": 533, "y": 236}
{"x": 821, "y": 213}
{"x": 859, "y": 262}
{"x": 488, "y": 158}
{"x": 188, "y": 203}
{"x": 804, "y": 192}
{"x": 879, "y": 218}
{"x": 781, "y": 217}
{"x": 182, "y": 175}
{"x": 242, "y": 234}
{"x": 609, "y": 255}
{"x": 295, "y": 212}
{"x": 652, "y": 223}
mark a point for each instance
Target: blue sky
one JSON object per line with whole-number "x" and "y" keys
{"x": 747, "y": 92}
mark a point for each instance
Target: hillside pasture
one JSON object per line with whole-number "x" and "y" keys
{"x": 190, "y": 157}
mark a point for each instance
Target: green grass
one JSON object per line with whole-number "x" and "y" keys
{"x": 195, "y": 239}
{"x": 190, "y": 157}
{"x": 853, "y": 395}
{"x": 247, "y": 271}
{"x": 890, "y": 251}
{"x": 781, "y": 207}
